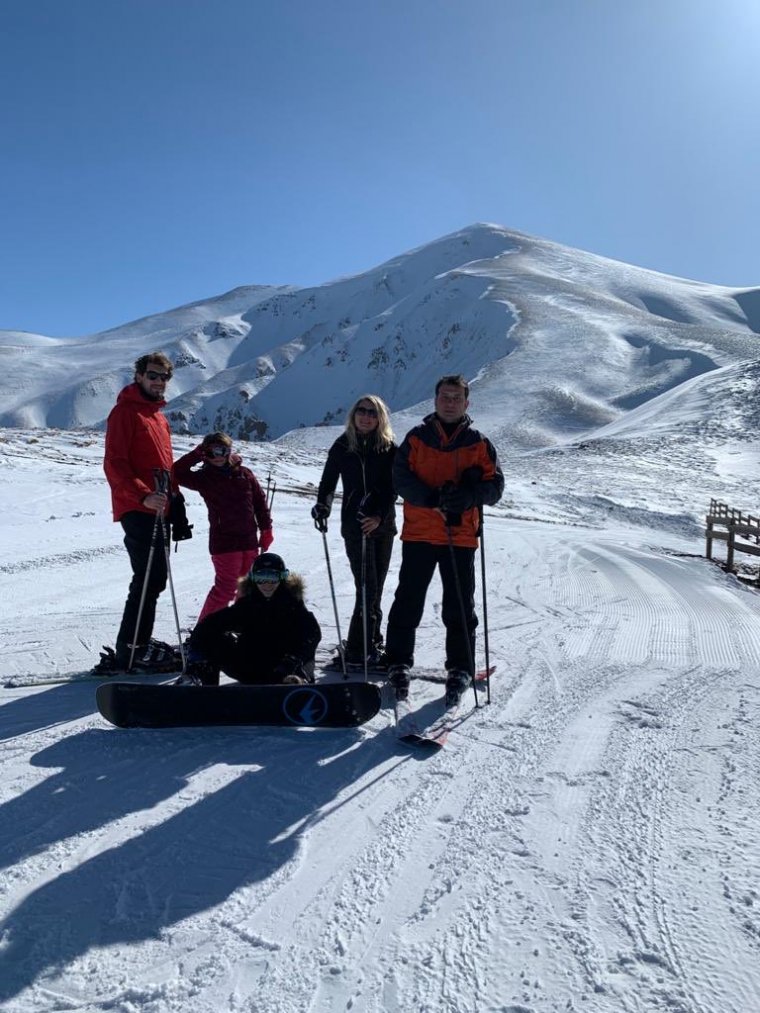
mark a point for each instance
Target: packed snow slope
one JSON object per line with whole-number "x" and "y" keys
{"x": 556, "y": 340}
{"x": 588, "y": 841}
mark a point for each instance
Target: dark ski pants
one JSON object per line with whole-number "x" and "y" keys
{"x": 378, "y": 559}
{"x": 225, "y": 654}
{"x": 138, "y": 532}
{"x": 418, "y": 563}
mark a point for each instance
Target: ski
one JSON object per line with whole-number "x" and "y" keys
{"x": 106, "y": 668}
{"x": 405, "y": 719}
{"x": 153, "y": 658}
{"x": 76, "y": 677}
{"x": 432, "y": 675}
{"x": 334, "y": 667}
{"x": 156, "y": 658}
{"x": 410, "y": 733}
{"x": 421, "y": 674}
{"x": 432, "y": 737}
{"x": 423, "y": 741}
{"x": 331, "y": 705}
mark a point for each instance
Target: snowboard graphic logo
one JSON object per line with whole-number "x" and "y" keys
{"x": 305, "y": 706}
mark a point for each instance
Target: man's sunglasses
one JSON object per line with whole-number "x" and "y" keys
{"x": 217, "y": 451}
{"x": 269, "y": 576}
{"x": 153, "y": 375}
{"x": 370, "y": 412}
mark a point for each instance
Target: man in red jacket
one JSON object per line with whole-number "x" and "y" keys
{"x": 138, "y": 449}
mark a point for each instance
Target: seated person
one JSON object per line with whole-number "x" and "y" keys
{"x": 267, "y": 636}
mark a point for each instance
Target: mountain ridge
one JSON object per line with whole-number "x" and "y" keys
{"x": 555, "y": 342}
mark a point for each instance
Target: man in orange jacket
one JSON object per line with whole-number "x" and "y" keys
{"x": 138, "y": 448}
{"x": 445, "y": 471}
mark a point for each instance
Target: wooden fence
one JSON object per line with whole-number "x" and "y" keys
{"x": 740, "y": 532}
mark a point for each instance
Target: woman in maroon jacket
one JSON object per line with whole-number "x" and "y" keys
{"x": 239, "y": 520}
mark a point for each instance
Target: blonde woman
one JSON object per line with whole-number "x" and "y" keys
{"x": 362, "y": 458}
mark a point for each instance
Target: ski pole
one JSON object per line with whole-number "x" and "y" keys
{"x": 485, "y": 605}
{"x": 270, "y": 497}
{"x": 463, "y": 612}
{"x": 364, "y": 604}
{"x": 335, "y": 606}
{"x": 165, "y": 532}
{"x": 162, "y": 483}
{"x": 151, "y": 553}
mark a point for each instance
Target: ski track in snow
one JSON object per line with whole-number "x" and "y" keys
{"x": 589, "y": 841}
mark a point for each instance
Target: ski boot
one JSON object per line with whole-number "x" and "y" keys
{"x": 457, "y": 681}
{"x": 198, "y": 672}
{"x": 399, "y": 678}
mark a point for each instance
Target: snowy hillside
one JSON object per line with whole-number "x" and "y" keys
{"x": 557, "y": 341}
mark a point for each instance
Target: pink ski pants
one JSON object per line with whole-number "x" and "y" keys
{"x": 228, "y": 566}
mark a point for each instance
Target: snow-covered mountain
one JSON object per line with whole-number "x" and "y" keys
{"x": 557, "y": 342}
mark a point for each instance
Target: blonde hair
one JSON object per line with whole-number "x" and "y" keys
{"x": 383, "y": 435}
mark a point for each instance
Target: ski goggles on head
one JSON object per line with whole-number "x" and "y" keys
{"x": 268, "y": 576}
{"x": 217, "y": 450}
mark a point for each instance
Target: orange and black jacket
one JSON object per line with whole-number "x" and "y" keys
{"x": 427, "y": 459}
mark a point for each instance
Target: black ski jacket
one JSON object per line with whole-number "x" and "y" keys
{"x": 268, "y": 629}
{"x": 363, "y": 472}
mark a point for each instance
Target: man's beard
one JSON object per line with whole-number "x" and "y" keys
{"x": 150, "y": 396}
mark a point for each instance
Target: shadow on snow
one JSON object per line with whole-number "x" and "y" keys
{"x": 231, "y": 837}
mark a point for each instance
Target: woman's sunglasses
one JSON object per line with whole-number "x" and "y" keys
{"x": 217, "y": 451}
{"x": 370, "y": 412}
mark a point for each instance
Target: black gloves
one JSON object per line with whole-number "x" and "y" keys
{"x": 455, "y": 499}
{"x": 289, "y": 665}
{"x": 320, "y": 512}
{"x": 471, "y": 476}
{"x": 181, "y": 529}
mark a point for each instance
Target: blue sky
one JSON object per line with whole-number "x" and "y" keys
{"x": 155, "y": 152}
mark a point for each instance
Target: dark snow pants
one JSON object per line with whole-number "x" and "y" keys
{"x": 378, "y": 559}
{"x": 225, "y": 653}
{"x": 418, "y": 563}
{"x": 138, "y": 531}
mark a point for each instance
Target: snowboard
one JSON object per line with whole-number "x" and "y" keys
{"x": 335, "y": 705}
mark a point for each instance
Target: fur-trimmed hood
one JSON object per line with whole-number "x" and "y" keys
{"x": 295, "y": 585}
{"x": 267, "y": 628}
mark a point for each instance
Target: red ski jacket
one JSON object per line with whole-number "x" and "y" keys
{"x": 138, "y": 442}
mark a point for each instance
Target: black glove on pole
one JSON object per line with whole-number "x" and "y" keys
{"x": 181, "y": 529}
{"x": 320, "y": 512}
